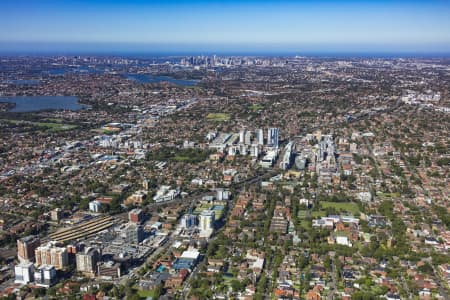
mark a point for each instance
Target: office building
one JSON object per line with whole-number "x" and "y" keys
{"x": 260, "y": 137}
{"x": 279, "y": 222}
{"x": 134, "y": 234}
{"x": 254, "y": 151}
{"x": 248, "y": 138}
{"x": 243, "y": 150}
{"x": 188, "y": 221}
{"x": 300, "y": 162}
{"x": 232, "y": 151}
{"x": 286, "y": 161}
{"x": 56, "y": 214}
{"x": 166, "y": 193}
{"x": 136, "y": 216}
{"x": 24, "y": 273}
{"x": 207, "y": 220}
{"x": 242, "y": 136}
{"x": 222, "y": 195}
{"x": 109, "y": 269}
{"x": 269, "y": 159}
{"x": 26, "y": 247}
{"x": 95, "y": 206}
{"x": 87, "y": 261}
{"x": 272, "y": 137}
{"x": 145, "y": 184}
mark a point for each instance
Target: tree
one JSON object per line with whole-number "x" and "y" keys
{"x": 426, "y": 268}
{"x": 134, "y": 297}
{"x": 386, "y": 208}
{"x": 260, "y": 288}
{"x": 327, "y": 263}
{"x": 38, "y": 293}
{"x": 360, "y": 295}
{"x": 158, "y": 291}
{"x": 237, "y": 285}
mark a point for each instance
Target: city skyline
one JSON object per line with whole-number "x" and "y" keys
{"x": 226, "y": 26}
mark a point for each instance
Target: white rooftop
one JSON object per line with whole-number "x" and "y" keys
{"x": 190, "y": 254}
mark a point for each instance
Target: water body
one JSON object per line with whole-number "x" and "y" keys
{"x": 22, "y": 81}
{"x": 56, "y": 71}
{"x": 147, "y": 78}
{"x": 37, "y": 103}
{"x": 66, "y": 70}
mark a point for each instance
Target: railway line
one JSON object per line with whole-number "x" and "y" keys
{"x": 82, "y": 230}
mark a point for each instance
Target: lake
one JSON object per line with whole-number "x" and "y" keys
{"x": 22, "y": 81}
{"x": 147, "y": 78}
{"x": 37, "y": 103}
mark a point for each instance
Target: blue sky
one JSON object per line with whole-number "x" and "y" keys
{"x": 352, "y": 26}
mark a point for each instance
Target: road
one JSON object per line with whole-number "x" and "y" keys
{"x": 333, "y": 279}
{"x": 355, "y": 119}
{"x": 238, "y": 187}
{"x": 442, "y": 289}
{"x": 123, "y": 279}
{"x": 191, "y": 199}
{"x": 195, "y": 196}
{"x": 405, "y": 287}
{"x": 270, "y": 172}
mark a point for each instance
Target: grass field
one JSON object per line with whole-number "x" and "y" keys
{"x": 52, "y": 120}
{"x": 388, "y": 195}
{"x": 305, "y": 224}
{"x": 302, "y": 214}
{"x": 302, "y": 217}
{"x": 201, "y": 208}
{"x": 347, "y": 206}
{"x": 316, "y": 214}
{"x": 219, "y": 117}
{"x": 44, "y": 125}
{"x": 256, "y": 107}
{"x": 56, "y": 126}
{"x": 145, "y": 294}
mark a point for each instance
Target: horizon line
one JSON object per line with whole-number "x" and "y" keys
{"x": 236, "y": 53}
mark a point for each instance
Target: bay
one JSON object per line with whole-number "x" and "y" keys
{"x": 38, "y": 103}
{"x": 147, "y": 78}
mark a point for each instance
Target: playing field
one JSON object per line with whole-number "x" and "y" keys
{"x": 56, "y": 126}
{"x": 347, "y": 206}
{"x": 220, "y": 117}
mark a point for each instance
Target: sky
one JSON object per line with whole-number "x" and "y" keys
{"x": 221, "y": 26}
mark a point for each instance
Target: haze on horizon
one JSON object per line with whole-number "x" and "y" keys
{"x": 234, "y": 26}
